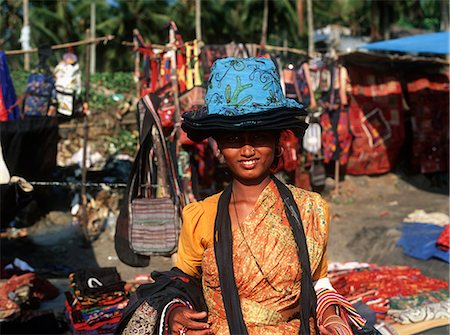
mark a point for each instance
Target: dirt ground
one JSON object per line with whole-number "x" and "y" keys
{"x": 365, "y": 217}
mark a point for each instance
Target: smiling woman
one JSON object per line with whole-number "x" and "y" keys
{"x": 249, "y": 155}
{"x": 257, "y": 250}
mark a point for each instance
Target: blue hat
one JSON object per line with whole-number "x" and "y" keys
{"x": 244, "y": 94}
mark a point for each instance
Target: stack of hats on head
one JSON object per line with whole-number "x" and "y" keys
{"x": 96, "y": 301}
{"x": 244, "y": 94}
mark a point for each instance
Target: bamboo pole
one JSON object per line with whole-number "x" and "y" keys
{"x": 267, "y": 47}
{"x": 26, "y": 57}
{"x": 198, "y": 20}
{"x": 84, "y": 216}
{"x": 265, "y": 23}
{"x": 93, "y": 28}
{"x": 309, "y": 11}
{"x": 65, "y": 45}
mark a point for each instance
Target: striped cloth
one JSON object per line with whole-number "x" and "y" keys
{"x": 327, "y": 298}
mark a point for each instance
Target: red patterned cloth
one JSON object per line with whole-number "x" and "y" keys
{"x": 336, "y": 146}
{"x": 376, "y": 121}
{"x": 376, "y": 284}
{"x": 443, "y": 241}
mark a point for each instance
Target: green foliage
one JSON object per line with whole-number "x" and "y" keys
{"x": 19, "y": 78}
{"x": 223, "y": 21}
{"x": 125, "y": 143}
{"x": 120, "y": 82}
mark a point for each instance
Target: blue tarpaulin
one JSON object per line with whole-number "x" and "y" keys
{"x": 419, "y": 241}
{"x": 435, "y": 43}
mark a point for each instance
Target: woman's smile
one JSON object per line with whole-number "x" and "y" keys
{"x": 249, "y": 163}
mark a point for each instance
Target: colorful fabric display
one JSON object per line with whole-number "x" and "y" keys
{"x": 417, "y": 300}
{"x": 24, "y": 290}
{"x": 427, "y": 312}
{"x": 96, "y": 302}
{"x": 375, "y": 285}
{"x": 376, "y": 121}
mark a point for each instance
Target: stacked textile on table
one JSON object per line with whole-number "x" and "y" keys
{"x": 96, "y": 301}
{"x": 397, "y": 294}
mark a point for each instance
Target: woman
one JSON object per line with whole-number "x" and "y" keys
{"x": 259, "y": 246}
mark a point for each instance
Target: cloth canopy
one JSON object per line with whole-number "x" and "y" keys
{"x": 434, "y": 43}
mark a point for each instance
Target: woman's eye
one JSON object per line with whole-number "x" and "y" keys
{"x": 259, "y": 138}
{"x": 232, "y": 139}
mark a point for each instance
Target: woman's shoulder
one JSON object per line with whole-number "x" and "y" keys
{"x": 307, "y": 197}
{"x": 205, "y": 207}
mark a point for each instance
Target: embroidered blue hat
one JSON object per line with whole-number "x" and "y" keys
{"x": 244, "y": 94}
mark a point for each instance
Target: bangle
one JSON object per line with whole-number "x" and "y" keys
{"x": 343, "y": 327}
{"x": 329, "y": 317}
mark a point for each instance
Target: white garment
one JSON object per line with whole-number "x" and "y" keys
{"x": 4, "y": 172}
{"x": 67, "y": 84}
{"x": 312, "y": 141}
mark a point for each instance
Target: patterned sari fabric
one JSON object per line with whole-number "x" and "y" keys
{"x": 268, "y": 275}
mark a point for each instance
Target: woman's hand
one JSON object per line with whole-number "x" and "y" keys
{"x": 334, "y": 325}
{"x": 182, "y": 322}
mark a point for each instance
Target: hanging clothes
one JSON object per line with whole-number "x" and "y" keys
{"x": 67, "y": 83}
{"x": 40, "y": 95}
{"x": 9, "y": 109}
{"x": 336, "y": 136}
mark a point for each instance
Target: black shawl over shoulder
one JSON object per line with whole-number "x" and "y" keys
{"x": 168, "y": 285}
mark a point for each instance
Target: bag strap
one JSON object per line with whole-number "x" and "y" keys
{"x": 173, "y": 181}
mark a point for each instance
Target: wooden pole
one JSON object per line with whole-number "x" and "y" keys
{"x": 300, "y": 16}
{"x": 265, "y": 23}
{"x": 310, "y": 28}
{"x": 26, "y": 58}
{"x": 92, "y": 47}
{"x": 174, "y": 78}
{"x": 65, "y": 45}
{"x": 84, "y": 216}
{"x": 336, "y": 177}
{"x": 198, "y": 20}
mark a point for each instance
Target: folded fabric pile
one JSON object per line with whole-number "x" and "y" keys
{"x": 96, "y": 301}
{"x": 426, "y": 235}
{"x": 24, "y": 292}
{"x": 395, "y": 294}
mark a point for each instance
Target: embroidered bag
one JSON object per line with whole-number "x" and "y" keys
{"x": 39, "y": 94}
{"x": 154, "y": 222}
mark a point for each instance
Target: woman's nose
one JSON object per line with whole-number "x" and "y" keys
{"x": 247, "y": 150}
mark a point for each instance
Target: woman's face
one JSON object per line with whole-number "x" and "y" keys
{"x": 249, "y": 155}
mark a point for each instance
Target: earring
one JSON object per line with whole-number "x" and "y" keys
{"x": 281, "y": 151}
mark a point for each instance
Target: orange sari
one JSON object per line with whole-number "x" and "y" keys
{"x": 272, "y": 288}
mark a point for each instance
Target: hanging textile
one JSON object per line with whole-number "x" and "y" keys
{"x": 40, "y": 95}
{"x": 428, "y": 100}
{"x": 336, "y": 136}
{"x": 8, "y": 100}
{"x": 376, "y": 121}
